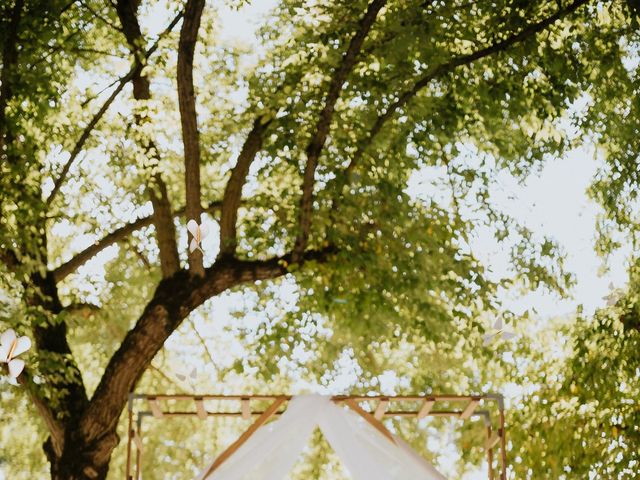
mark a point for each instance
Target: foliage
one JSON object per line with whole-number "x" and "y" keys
{"x": 578, "y": 413}
{"x": 464, "y": 91}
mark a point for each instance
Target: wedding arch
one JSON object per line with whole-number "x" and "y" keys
{"x": 274, "y": 446}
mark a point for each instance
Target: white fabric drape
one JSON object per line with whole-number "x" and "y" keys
{"x": 367, "y": 455}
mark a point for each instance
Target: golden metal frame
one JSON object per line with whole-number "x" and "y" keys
{"x": 375, "y": 417}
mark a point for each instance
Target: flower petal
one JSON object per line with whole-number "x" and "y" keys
{"x": 192, "y": 226}
{"x": 22, "y": 345}
{"x": 15, "y": 367}
{"x": 7, "y": 338}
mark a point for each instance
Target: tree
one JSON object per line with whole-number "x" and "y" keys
{"x": 304, "y": 178}
{"x": 579, "y": 417}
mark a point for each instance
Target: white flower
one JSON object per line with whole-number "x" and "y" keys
{"x": 10, "y": 347}
{"x": 499, "y": 330}
{"x": 198, "y": 233}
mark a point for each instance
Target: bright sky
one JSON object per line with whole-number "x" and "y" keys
{"x": 555, "y": 204}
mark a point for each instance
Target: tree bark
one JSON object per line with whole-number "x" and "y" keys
{"x": 233, "y": 190}
{"x": 51, "y": 338}
{"x": 79, "y": 460}
{"x": 165, "y": 228}
{"x": 189, "y": 121}
{"x": 162, "y": 217}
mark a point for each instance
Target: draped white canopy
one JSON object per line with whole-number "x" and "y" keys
{"x": 365, "y": 452}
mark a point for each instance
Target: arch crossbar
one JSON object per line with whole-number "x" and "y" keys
{"x": 372, "y": 408}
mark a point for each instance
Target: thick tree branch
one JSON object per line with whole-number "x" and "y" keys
{"x": 51, "y": 342}
{"x": 9, "y": 258}
{"x": 163, "y": 219}
{"x": 189, "y": 121}
{"x": 116, "y": 236}
{"x": 9, "y": 62}
{"x": 233, "y": 190}
{"x": 56, "y": 431}
{"x": 173, "y": 300}
{"x": 86, "y": 133}
{"x": 83, "y": 308}
{"x": 165, "y": 228}
{"x": 319, "y": 137}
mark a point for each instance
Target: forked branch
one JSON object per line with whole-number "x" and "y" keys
{"x": 116, "y": 236}
{"x": 233, "y": 190}
{"x": 173, "y": 300}
{"x": 321, "y": 131}
{"x": 447, "y": 67}
{"x": 86, "y": 133}
{"x": 157, "y": 190}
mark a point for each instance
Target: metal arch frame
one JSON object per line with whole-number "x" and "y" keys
{"x": 493, "y": 437}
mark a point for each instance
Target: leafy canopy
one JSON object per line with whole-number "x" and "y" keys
{"x": 465, "y": 91}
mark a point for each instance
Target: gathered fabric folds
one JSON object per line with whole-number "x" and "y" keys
{"x": 272, "y": 451}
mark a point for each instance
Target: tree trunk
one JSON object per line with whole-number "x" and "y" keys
{"x": 80, "y": 460}
{"x": 90, "y": 431}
